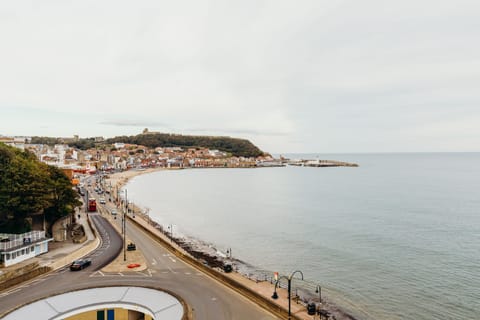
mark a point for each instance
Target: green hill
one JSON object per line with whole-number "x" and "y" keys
{"x": 234, "y": 146}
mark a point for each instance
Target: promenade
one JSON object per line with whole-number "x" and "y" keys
{"x": 63, "y": 253}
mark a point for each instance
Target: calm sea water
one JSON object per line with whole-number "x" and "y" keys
{"x": 396, "y": 238}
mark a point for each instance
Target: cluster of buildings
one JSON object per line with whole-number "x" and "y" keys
{"x": 122, "y": 156}
{"x": 116, "y": 157}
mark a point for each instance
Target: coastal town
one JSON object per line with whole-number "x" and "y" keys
{"x": 27, "y": 254}
{"x": 121, "y": 156}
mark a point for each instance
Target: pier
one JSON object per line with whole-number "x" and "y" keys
{"x": 320, "y": 163}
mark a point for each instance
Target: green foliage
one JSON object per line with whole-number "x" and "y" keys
{"x": 28, "y": 187}
{"x": 46, "y": 140}
{"x": 234, "y": 146}
{"x": 82, "y": 144}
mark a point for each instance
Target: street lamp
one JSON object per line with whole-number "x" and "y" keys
{"x": 319, "y": 291}
{"x": 125, "y": 229}
{"x": 289, "y": 280}
{"x": 170, "y": 227}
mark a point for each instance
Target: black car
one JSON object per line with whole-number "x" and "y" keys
{"x": 80, "y": 264}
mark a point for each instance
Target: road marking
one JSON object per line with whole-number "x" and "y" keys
{"x": 214, "y": 299}
{"x": 171, "y": 270}
{"x": 12, "y": 291}
{"x": 149, "y": 275}
{"x": 154, "y": 262}
{"x": 94, "y": 274}
{"x": 121, "y": 274}
{"x": 38, "y": 280}
{"x": 199, "y": 274}
{"x": 173, "y": 260}
{"x": 187, "y": 273}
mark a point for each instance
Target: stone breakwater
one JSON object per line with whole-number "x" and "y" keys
{"x": 320, "y": 163}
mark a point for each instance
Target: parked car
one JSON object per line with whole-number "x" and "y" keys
{"x": 102, "y": 201}
{"x": 80, "y": 264}
{"x": 113, "y": 212}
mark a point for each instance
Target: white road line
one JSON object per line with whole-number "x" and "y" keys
{"x": 173, "y": 260}
{"x": 187, "y": 273}
{"x": 12, "y": 291}
{"x": 38, "y": 280}
{"x": 154, "y": 262}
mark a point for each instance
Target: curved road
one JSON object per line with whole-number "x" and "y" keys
{"x": 208, "y": 298}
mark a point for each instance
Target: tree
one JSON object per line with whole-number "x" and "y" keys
{"x": 29, "y": 187}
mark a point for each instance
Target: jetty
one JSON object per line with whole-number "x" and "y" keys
{"x": 320, "y": 163}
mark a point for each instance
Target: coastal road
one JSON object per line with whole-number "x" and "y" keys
{"x": 208, "y": 298}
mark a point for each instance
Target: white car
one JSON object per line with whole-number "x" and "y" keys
{"x": 102, "y": 201}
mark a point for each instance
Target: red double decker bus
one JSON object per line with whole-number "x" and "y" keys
{"x": 92, "y": 205}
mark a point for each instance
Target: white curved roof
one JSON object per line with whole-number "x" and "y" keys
{"x": 157, "y": 304}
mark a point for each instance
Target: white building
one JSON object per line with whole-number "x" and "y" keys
{"x": 15, "y": 248}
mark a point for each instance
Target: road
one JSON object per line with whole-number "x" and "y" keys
{"x": 208, "y": 298}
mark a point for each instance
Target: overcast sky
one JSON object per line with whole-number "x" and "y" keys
{"x": 291, "y": 76}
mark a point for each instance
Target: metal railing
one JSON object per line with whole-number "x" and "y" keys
{"x": 9, "y": 241}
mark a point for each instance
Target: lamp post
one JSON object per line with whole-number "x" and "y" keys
{"x": 125, "y": 229}
{"x": 289, "y": 281}
{"x": 319, "y": 291}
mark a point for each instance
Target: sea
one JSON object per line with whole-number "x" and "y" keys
{"x": 396, "y": 238}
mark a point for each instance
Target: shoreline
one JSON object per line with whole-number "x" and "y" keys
{"x": 214, "y": 258}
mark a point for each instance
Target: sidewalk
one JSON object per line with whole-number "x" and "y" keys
{"x": 63, "y": 252}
